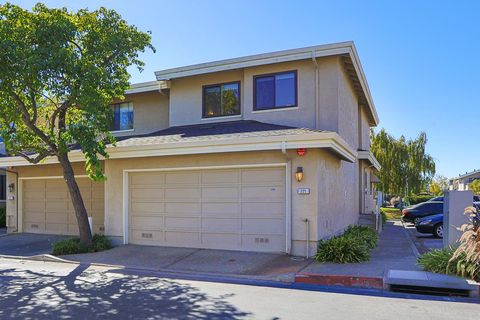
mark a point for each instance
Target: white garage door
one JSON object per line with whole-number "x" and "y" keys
{"x": 47, "y": 207}
{"x": 236, "y": 209}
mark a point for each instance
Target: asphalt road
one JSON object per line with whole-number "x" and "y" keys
{"x": 52, "y": 290}
{"x": 423, "y": 242}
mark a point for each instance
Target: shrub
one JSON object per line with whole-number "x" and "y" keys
{"x": 73, "y": 246}
{"x": 342, "y": 250}
{"x": 438, "y": 261}
{"x": 3, "y": 218}
{"x": 351, "y": 247}
{"x": 418, "y": 199}
{"x": 366, "y": 235}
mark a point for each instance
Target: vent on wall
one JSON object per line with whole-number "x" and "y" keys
{"x": 147, "y": 235}
{"x": 262, "y": 240}
{"x": 34, "y": 226}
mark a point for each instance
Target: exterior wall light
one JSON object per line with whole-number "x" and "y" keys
{"x": 299, "y": 174}
{"x": 11, "y": 187}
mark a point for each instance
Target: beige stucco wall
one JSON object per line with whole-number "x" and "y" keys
{"x": 150, "y": 113}
{"x": 364, "y": 143}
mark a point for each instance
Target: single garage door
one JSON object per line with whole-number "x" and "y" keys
{"x": 47, "y": 207}
{"x": 235, "y": 209}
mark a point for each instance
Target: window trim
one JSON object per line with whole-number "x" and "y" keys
{"x": 133, "y": 112}
{"x": 219, "y": 85}
{"x": 255, "y": 108}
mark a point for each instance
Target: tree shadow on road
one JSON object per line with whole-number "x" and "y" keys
{"x": 87, "y": 294}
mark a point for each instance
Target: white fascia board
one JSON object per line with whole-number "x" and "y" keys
{"x": 143, "y": 87}
{"x": 315, "y": 140}
{"x": 367, "y": 155}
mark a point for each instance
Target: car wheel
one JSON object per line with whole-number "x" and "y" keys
{"x": 439, "y": 230}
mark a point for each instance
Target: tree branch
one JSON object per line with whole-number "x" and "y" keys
{"x": 39, "y": 157}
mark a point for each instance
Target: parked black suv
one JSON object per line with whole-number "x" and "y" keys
{"x": 418, "y": 211}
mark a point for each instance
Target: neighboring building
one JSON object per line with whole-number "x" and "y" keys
{"x": 208, "y": 156}
{"x": 463, "y": 181}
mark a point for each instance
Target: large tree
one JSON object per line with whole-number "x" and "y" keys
{"x": 59, "y": 72}
{"x": 406, "y": 167}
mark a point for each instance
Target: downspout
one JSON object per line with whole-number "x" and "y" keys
{"x": 16, "y": 196}
{"x": 315, "y": 63}
{"x": 288, "y": 187}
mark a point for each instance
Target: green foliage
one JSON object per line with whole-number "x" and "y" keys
{"x": 438, "y": 185}
{"x": 352, "y": 247}
{"x": 3, "y": 218}
{"x": 60, "y": 71}
{"x": 406, "y": 167}
{"x": 475, "y": 186}
{"x": 364, "y": 234}
{"x": 438, "y": 261}
{"x": 73, "y": 246}
{"x": 443, "y": 261}
{"x": 390, "y": 213}
{"x": 415, "y": 199}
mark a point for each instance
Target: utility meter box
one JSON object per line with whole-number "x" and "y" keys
{"x": 454, "y": 205}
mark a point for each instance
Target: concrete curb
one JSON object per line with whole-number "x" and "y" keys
{"x": 340, "y": 280}
{"x": 410, "y": 241}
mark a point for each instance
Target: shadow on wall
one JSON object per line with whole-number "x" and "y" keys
{"x": 83, "y": 294}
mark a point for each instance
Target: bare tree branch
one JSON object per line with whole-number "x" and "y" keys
{"x": 39, "y": 157}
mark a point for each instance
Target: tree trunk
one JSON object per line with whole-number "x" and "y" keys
{"x": 77, "y": 201}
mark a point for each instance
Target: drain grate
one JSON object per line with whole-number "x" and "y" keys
{"x": 430, "y": 290}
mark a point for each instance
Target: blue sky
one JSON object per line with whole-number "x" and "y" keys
{"x": 419, "y": 57}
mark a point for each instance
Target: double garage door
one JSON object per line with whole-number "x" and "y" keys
{"x": 47, "y": 207}
{"x": 235, "y": 209}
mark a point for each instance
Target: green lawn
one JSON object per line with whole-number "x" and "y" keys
{"x": 391, "y": 213}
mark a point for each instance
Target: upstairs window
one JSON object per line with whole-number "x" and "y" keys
{"x": 221, "y": 100}
{"x": 122, "y": 117}
{"x": 277, "y": 90}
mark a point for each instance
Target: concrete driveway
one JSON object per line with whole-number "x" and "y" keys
{"x": 423, "y": 242}
{"x": 28, "y": 244}
{"x": 188, "y": 260}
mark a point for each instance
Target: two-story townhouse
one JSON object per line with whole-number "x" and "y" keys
{"x": 268, "y": 153}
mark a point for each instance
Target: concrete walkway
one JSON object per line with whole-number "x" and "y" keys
{"x": 278, "y": 267}
{"x": 395, "y": 251}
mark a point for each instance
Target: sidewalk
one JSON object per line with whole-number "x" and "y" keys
{"x": 395, "y": 251}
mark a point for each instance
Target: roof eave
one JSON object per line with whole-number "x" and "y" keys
{"x": 327, "y": 140}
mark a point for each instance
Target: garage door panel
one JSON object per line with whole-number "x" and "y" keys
{"x": 147, "y": 179}
{"x": 56, "y": 206}
{"x": 34, "y": 227}
{"x": 34, "y": 206}
{"x": 220, "y": 194}
{"x": 35, "y": 185}
{"x": 263, "y": 226}
{"x": 221, "y": 225}
{"x": 267, "y": 194}
{"x": 35, "y": 216}
{"x": 263, "y": 176}
{"x": 182, "y": 239}
{"x": 182, "y": 178}
{"x": 35, "y": 195}
{"x": 216, "y": 177}
{"x": 221, "y": 241}
{"x": 147, "y": 222}
{"x": 148, "y": 194}
{"x": 46, "y": 203}
{"x": 56, "y": 217}
{"x": 263, "y": 243}
{"x": 263, "y": 210}
{"x": 148, "y": 207}
{"x": 238, "y": 209}
{"x": 183, "y": 224}
{"x": 182, "y": 194}
{"x": 221, "y": 210}
{"x": 183, "y": 208}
